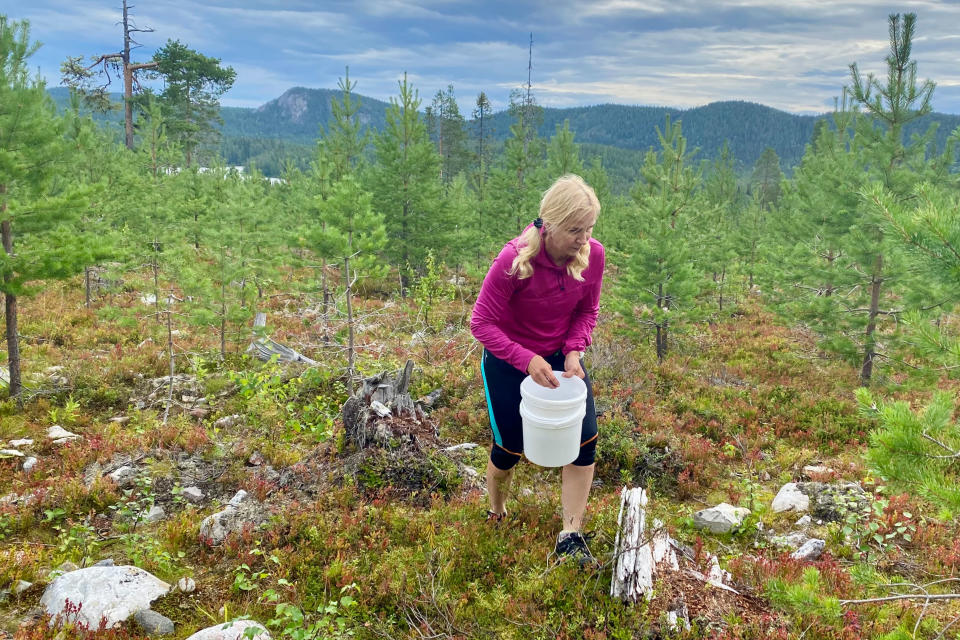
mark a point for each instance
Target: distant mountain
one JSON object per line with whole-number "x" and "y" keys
{"x": 296, "y": 116}
{"x": 288, "y": 127}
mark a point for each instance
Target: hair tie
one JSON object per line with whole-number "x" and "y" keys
{"x": 538, "y": 223}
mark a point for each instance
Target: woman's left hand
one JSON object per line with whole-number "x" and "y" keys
{"x": 571, "y": 365}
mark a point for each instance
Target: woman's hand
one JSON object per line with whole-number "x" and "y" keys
{"x": 542, "y": 373}
{"x": 571, "y": 366}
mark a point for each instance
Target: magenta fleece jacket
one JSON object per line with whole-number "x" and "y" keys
{"x": 517, "y": 319}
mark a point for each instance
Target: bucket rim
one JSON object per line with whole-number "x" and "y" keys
{"x": 525, "y": 412}
{"x": 529, "y": 383}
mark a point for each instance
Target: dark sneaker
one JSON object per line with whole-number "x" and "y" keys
{"x": 574, "y": 545}
{"x": 495, "y": 518}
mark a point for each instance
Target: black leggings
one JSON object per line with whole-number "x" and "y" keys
{"x": 501, "y": 383}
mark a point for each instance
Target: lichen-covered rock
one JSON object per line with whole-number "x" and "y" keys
{"x": 109, "y": 593}
{"x": 239, "y": 512}
{"x": 234, "y": 630}
{"x": 832, "y": 502}
{"x": 721, "y": 518}
{"x": 810, "y": 550}
{"x": 790, "y": 497}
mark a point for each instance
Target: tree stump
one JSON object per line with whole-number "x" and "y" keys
{"x": 385, "y": 391}
{"x": 637, "y": 550}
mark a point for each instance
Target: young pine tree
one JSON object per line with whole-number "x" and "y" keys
{"x": 659, "y": 274}
{"x": 563, "y": 154}
{"x": 851, "y": 277}
{"x": 447, "y": 129}
{"x": 342, "y": 144}
{"x": 406, "y": 182}
{"x": 39, "y": 211}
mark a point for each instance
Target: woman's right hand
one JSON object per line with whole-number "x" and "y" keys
{"x": 542, "y": 373}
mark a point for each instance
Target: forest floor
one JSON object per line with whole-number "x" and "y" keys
{"x": 390, "y": 540}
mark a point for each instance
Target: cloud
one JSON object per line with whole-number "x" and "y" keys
{"x": 794, "y": 56}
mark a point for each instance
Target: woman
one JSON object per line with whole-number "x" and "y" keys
{"x": 535, "y": 314}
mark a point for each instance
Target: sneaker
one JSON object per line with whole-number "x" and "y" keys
{"x": 495, "y": 518}
{"x": 574, "y": 545}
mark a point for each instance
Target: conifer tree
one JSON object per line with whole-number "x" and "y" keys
{"x": 36, "y": 206}
{"x": 481, "y": 119}
{"x": 719, "y": 229}
{"x": 563, "y": 154}
{"x": 891, "y": 106}
{"x": 345, "y": 139}
{"x": 406, "y": 182}
{"x": 611, "y": 211}
{"x": 859, "y": 279}
{"x": 514, "y": 198}
{"x": 447, "y": 129}
{"x": 81, "y": 78}
{"x": 766, "y": 178}
{"x": 192, "y": 86}
{"x": 660, "y": 282}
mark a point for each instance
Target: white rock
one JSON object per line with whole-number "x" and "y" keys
{"x": 113, "y": 593}
{"x": 57, "y": 433}
{"x": 23, "y": 442}
{"x": 790, "y": 497}
{"x": 721, "y": 518}
{"x": 10, "y": 453}
{"x": 815, "y": 470}
{"x": 380, "y": 409}
{"x": 793, "y": 540}
{"x": 29, "y": 464}
{"x": 192, "y": 494}
{"x": 156, "y": 514}
{"x": 804, "y": 522}
{"x": 237, "y": 499}
{"x": 216, "y": 527}
{"x": 228, "y": 421}
{"x": 810, "y": 550}
{"x": 124, "y": 476}
{"x": 235, "y": 630}
{"x": 186, "y": 585}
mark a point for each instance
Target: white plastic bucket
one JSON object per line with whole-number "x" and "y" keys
{"x": 552, "y": 420}
{"x": 554, "y": 404}
{"x": 551, "y": 443}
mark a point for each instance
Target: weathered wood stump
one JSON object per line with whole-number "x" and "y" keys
{"x": 644, "y": 555}
{"x": 383, "y": 396}
{"x": 638, "y": 550}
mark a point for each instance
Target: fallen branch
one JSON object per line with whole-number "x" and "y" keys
{"x": 917, "y": 596}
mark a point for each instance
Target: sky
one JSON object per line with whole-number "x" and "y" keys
{"x": 792, "y": 55}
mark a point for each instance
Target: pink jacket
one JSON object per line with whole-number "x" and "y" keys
{"x": 516, "y": 319}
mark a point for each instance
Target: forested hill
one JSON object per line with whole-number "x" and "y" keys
{"x": 287, "y": 127}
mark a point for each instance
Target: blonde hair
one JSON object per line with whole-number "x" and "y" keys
{"x": 569, "y": 198}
